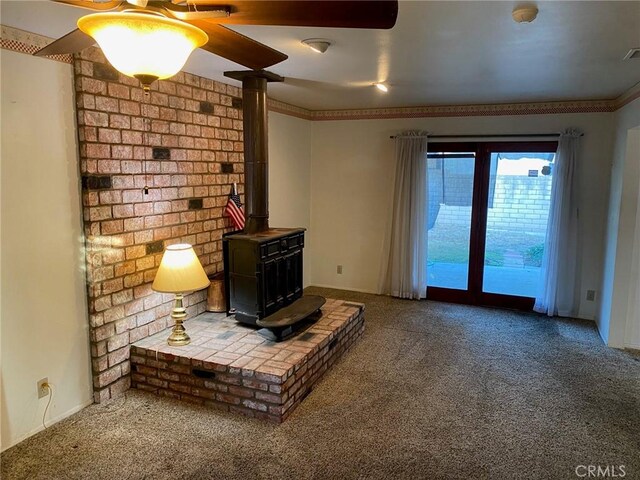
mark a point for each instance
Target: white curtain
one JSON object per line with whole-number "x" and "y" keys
{"x": 405, "y": 275}
{"x": 557, "y": 291}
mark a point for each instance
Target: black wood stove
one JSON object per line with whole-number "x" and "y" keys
{"x": 263, "y": 266}
{"x": 264, "y": 272}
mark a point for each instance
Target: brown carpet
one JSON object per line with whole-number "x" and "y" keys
{"x": 432, "y": 390}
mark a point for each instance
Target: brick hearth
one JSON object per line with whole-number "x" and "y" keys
{"x": 228, "y": 366}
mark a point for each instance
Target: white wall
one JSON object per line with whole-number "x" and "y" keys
{"x": 43, "y": 309}
{"x": 623, "y": 201}
{"x": 632, "y": 329}
{"x": 352, "y": 180}
{"x": 290, "y": 176}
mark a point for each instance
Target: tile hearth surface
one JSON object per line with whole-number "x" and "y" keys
{"x": 229, "y": 366}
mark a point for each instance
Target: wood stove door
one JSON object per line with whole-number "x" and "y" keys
{"x": 282, "y": 281}
{"x": 294, "y": 276}
{"x": 271, "y": 287}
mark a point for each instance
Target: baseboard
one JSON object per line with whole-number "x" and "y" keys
{"x": 50, "y": 422}
{"x": 347, "y": 289}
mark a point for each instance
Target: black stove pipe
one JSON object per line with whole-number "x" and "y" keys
{"x": 256, "y": 148}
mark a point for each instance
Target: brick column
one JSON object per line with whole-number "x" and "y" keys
{"x": 183, "y": 141}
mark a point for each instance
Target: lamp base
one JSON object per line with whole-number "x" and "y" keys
{"x": 178, "y": 338}
{"x": 178, "y": 335}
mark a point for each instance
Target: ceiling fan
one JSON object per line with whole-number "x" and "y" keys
{"x": 210, "y": 16}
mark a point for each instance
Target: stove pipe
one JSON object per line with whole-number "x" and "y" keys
{"x": 256, "y": 152}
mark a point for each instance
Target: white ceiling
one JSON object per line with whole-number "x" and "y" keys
{"x": 439, "y": 53}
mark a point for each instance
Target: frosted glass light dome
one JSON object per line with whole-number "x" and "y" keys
{"x": 143, "y": 45}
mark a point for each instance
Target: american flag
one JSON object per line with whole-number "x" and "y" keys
{"x": 234, "y": 209}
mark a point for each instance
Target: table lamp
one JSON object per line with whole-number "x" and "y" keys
{"x": 180, "y": 272}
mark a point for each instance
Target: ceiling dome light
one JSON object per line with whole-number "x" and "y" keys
{"x": 143, "y": 45}
{"x": 525, "y": 14}
{"x": 382, "y": 87}
{"x": 318, "y": 45}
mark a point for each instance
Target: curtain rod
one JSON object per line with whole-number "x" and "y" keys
{"x": 508, "y": 135}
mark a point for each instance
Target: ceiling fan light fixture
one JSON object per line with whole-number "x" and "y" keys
{"x": 318, "y": 45}
{"x": 143, "y": 45}
{"x": 381, "y": 86}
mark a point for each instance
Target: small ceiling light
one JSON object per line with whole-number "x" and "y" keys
{"x": 525, "y": 14}
{"x": 382, "y": 87}
{"x": 319, "y": 45}
{"x": 143, "y": 45}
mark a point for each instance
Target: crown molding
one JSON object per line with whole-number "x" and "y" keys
{"x": 627, "y": 97}
{"x": 491, "y": 110}
{"x": 288, "y": 109}
{"x": 28, "y": 43}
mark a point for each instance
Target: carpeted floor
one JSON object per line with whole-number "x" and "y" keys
{"x": 432, "y": 390}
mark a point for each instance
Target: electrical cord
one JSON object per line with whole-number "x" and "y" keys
{"x": 44, "y": 415}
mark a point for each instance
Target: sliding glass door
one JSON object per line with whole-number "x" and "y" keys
{"x": 450, "y": 177}
{"x": 488, "y": 211}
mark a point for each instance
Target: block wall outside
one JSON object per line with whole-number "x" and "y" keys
{"x": 183, "y": 141}
{"x": 519, "y": 203}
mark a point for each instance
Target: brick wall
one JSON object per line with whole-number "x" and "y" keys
{"x": 183, "y": 141}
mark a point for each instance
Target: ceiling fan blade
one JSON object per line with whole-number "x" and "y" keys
{"x": 72, "y": 42}
{"x": 308, "y": 13}
{"x": 100, "y": 6}
{"x": 238, "y": 48}
{"x": 182, "y": 12}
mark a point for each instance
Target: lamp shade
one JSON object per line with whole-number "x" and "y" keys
{"x": 141, "y": 44}
{"x": 180, "y": 271}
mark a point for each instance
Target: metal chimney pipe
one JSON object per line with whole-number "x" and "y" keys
{"x": 256, "y": 149}
{"x": 256, "y": 167}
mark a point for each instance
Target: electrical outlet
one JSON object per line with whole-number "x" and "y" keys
{"x": 43, "y": 387}
{"x": 339, "y": 269}
{"x": 591, "y": 295}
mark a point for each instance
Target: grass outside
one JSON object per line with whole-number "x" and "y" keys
{"x": 450, "y": 244}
